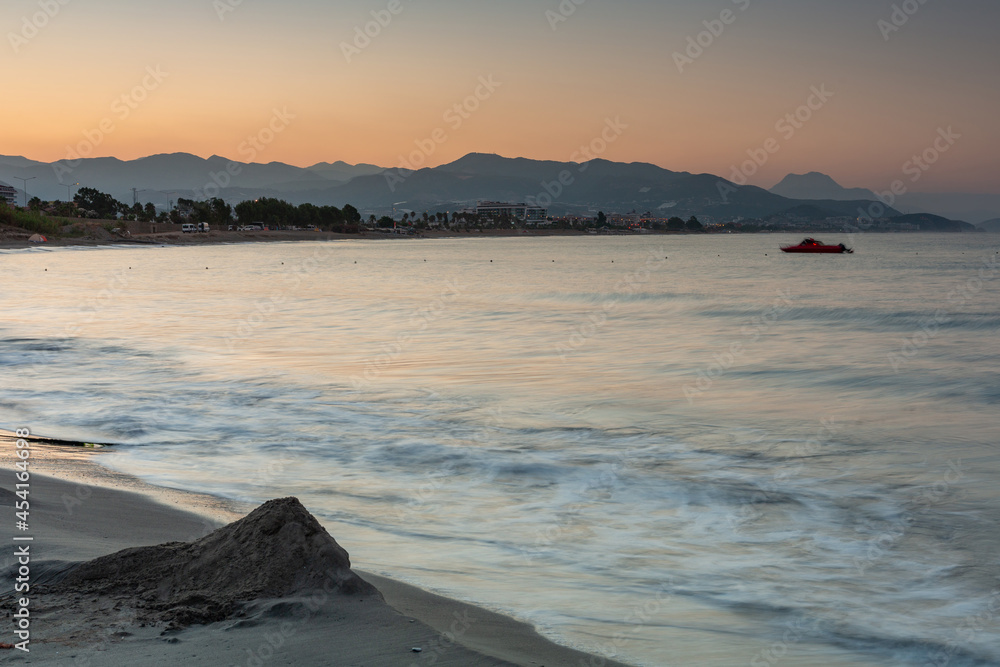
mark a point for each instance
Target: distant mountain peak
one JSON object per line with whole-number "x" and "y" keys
{"x": 816, "y": 185}
{"x": 812, "y": 177}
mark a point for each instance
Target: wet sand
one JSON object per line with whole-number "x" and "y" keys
{"x": 80, "y": 511}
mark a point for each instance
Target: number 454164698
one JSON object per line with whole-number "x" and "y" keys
{"x": 23, "y": 476}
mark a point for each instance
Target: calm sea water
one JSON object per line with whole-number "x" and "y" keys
{"x": 673, "y": 450}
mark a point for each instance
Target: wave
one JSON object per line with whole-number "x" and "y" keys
{"x": 872, "y": 319}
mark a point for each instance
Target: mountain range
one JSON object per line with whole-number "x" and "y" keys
{"x": 562, "y": 187}
{"x": 957, "y": 206}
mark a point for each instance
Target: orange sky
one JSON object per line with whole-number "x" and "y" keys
{"x": 83, "y": 76}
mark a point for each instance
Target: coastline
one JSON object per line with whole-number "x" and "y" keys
{"x": 81, "y": 510}
{"x": 216, "y": 237}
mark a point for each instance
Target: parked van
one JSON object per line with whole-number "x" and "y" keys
{"x": 189, "y": 227}
{"x": 203, "y": 227}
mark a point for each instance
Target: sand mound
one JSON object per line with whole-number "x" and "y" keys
{"x": 278, "y": 550}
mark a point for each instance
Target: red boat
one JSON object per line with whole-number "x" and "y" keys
{"x": 814, "y": 246}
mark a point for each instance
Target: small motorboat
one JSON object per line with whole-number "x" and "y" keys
{"x": 814, "y": 246}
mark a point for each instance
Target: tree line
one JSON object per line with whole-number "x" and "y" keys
{"x": 277, "y": 213}
{"x": 92, "y": 203}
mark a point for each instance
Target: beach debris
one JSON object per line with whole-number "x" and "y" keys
{"x": 417, "y": 649}
{"x": 8, "y": 435}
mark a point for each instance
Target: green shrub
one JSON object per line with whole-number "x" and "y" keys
{"x": 31, "y": 221}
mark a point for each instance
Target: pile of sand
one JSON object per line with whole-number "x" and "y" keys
{"x": 279, "y": 550}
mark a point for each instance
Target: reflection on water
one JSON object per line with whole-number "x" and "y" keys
{"x": 673, "y": 449}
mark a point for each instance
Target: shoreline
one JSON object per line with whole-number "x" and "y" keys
{"x": 81, "y": 510}
{"x": 213, "y": 238}
{"x": 218, "y": 237}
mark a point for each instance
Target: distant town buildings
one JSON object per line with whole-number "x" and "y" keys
{"x": 8, "y": 194}
{"x": 494, "y": 210}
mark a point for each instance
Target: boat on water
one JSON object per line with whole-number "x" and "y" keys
{"x": 814, "y": 246}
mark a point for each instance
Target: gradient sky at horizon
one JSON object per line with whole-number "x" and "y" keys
{"x": 558, "y": 86}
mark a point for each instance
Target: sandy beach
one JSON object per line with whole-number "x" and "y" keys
{"x": 271, "y": 588}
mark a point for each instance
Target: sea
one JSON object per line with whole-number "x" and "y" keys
{"x": 669, "y": 450}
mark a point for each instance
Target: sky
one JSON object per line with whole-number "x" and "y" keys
{"x": 867, "y": 91}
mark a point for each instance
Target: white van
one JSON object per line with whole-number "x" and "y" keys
{"x": 189, "y": 228}
{"x": 203, "y": 227}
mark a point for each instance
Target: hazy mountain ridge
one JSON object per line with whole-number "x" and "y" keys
{"x": 992, "y": 226}
{"x": 928, "y": 222}
{"x": 562, "y": 187}
{"x": 166, "y": 176}
{"x": 956, "y": 206}
{"x": 569, "y": 187}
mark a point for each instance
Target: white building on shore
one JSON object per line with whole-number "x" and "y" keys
{"x": 8, "y": 194}
{"x": 531, "y": 215}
